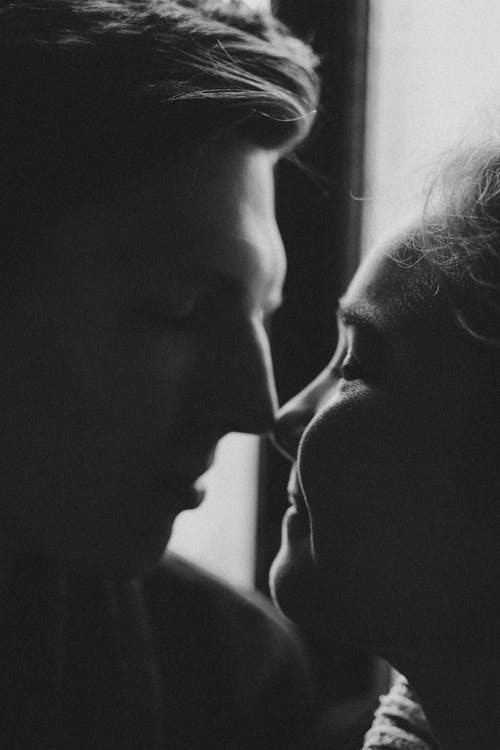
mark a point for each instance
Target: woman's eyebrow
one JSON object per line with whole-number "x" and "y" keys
{"x": 377, "y": 331}
{"x": 359, "y": 316}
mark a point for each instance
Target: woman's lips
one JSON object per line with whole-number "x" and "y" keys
{"x": 296, "y": 520}
{"x": 295, "y": 495}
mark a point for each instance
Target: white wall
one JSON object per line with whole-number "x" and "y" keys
{"x": 435, "y": 78}
{"x": 220, "y": 534}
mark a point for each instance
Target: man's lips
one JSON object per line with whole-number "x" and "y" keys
{"x": 182, "y": 492}
{"x": 186, "y": 475}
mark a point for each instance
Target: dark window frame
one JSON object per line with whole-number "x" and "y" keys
{"x": 320, "y": 221}
{"x": 319, "y": 214}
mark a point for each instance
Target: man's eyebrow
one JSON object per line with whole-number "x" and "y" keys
{"x": 202, "y": 275}
{"x": 229, "y": 285}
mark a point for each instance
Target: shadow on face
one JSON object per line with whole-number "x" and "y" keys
{"x": 392, "y": 533}
{"x": 137, "y": 345}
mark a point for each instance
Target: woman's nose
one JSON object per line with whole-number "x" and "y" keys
{"x": 293, "y": 418}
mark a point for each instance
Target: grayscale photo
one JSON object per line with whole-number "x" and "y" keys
{"x": 250, "y": 375}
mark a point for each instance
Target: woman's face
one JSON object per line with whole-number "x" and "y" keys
{"x": 392, "y": 532}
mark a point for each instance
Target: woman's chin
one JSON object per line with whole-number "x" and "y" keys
{"x": 293, "y": 578}
{"x": 303, "y": 591}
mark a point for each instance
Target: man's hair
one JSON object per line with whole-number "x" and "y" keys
{"x": 459, "y": 237}
{"x": 95, "y": 91}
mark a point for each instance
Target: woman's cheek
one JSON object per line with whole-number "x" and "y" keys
{"x": 336, "y": 441}
{"x": 350, "y": 466}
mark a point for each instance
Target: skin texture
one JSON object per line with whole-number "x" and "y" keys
{"x": 391, "y": 540}
{"x": 137, "y": 343}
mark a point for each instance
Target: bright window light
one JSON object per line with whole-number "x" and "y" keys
{"x": 220, "y": 535}
{"x": 259, "y": 4}
{"x": 434, "y": 82}
{"x": 266, "y": 4}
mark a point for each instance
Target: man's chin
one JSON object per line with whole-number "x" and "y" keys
{"x": 124, "y": 562}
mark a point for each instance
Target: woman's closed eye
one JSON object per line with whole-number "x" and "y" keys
{"x": 347, "y": 367}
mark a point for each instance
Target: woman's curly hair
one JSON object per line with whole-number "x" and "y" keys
{"x": 458, "y": 237}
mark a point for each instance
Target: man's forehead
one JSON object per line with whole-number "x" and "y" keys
{"x": 228, "y": 231}
{"x": 221, "y": 232}
{"x": 232, "y": 243}
{"x": 225, "y": 234}
{"x": 200, "y": 171}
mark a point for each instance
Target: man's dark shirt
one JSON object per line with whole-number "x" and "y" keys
{"x": 175, "y": 660}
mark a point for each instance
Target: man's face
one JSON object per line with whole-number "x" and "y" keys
{"x": 139, "y": 344}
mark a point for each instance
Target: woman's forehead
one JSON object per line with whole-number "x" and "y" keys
{"x": 395, "y": 280}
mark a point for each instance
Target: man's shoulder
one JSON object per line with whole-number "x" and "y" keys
{"x": 203, "y": 599}
{"x": 230, "y": 638}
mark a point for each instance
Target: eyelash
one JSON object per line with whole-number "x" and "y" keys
{"x": 348, "y": 369}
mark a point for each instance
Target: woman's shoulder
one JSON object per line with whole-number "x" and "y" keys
{"x": 399, "y": 722}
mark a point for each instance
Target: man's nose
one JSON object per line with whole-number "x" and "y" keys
{"x": 251, "y": 389}
{"x": 295, "y": 415}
